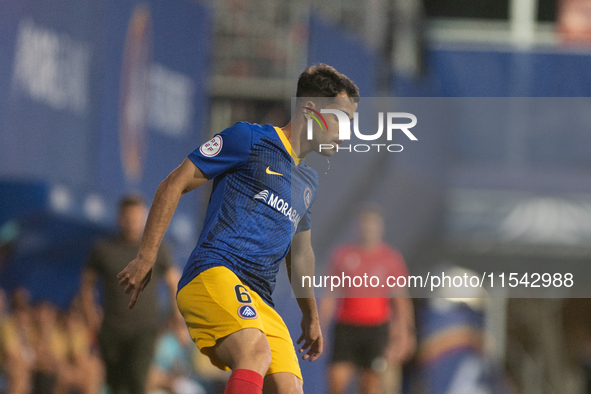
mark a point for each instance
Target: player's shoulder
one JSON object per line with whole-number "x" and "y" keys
{"x": 238, "y": 130}
{"x": 254, "y": 131}
{"x": 312, "y": 172}
{"x": 264, "y": 131}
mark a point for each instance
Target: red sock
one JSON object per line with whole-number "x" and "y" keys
{"x": 244, "y": 381}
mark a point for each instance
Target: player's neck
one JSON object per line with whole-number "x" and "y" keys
{"x": 370, "y": 245}
{"x": 294, "y": 131}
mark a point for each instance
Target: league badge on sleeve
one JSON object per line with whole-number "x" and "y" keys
{"x": 212, "y": 147}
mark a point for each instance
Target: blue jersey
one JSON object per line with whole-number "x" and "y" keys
{"x": 261, "y": 197}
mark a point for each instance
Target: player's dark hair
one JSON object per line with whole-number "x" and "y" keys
{"x": 322, "y": 80}
{"x": 131, "y": 200}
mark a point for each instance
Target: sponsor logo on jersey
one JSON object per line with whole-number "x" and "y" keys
{"x": 212, "y": 147}
{"x": 262, "y": 195}
{"x": 280, "y": 205}
{"x": 247, "y": 312}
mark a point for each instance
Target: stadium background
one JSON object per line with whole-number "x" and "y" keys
{"x": 97, "y": 99}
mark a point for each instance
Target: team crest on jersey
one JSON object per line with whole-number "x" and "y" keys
{"x": 212, "y": 147}
{"x": 247, "y": 312}
{"x": 307, "y": 197}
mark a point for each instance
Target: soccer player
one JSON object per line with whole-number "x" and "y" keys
{"x": 371, "y": 328}
{"x": 258, "y": 214}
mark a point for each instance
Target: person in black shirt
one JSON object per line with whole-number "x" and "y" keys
{"x": 126, "y": 337}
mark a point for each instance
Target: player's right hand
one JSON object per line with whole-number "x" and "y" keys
{"x": 135, "y": 277}
{"x": 312, "y": 338}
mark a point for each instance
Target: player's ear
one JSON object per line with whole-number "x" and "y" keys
{"x": 307, "y": 108}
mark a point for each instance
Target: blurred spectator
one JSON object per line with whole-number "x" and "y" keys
{"x": 50, "y": 346}
{"x": 172, "y": 369}
{"x": 83, "y": 371}
{"x": 373, "y": 333}
{"x": 42, "y": 351}
{"x": 126, "y": 337}
{"x": 16, "y": 344}
{"x": 451, "y": 356}
{"x": 213, "y": 378}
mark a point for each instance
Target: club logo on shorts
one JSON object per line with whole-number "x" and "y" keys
{"x": 307, "y": 197}
{"x": 247, "y": 312}
{"x": 211, "y": 147}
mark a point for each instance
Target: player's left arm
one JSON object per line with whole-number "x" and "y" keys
{"x": 300, "y": 263}
{"x": 136, "y": 275}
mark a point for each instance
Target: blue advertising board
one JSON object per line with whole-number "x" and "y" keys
{"x": 98, "y": 99}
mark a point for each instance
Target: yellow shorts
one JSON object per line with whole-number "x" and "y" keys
{"x": 216, "y": 304}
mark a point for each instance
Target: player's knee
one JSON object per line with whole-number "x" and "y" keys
{"x": 294, "y": 390}
{"x": 283, "y": 383}
{"x": 255, "y": 354}
{"x": 262, "y": 353}
{"x": 245, "y": 349}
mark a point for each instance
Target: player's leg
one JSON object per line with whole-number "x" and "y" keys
{"x": 247, "y": 354}
{"x": 392, "y": 379}
{"x": 370, "y": 382}
{"x": 141, "y": 353}
{"x": 339, "y": 376}
{"x": 245, "y": 349}
{"x": 372, "y": 361}
{"x": 343, "y": 358}
{"x": 223, "y": 318}
{"x": 113, "y": 352}
{"x": 284, "y": 375}
{"x": 283, "y": 383}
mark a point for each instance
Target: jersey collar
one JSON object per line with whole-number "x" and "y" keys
{"x": 287, "y": 145}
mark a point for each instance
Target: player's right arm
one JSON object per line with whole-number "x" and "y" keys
{"x": 182, "y": 180}
{"x": 299, "y": 263}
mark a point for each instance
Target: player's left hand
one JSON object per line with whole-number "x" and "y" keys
{"x": 312, "y": 338}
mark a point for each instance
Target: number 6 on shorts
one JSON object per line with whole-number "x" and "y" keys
{"x": 242, "y": 294}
